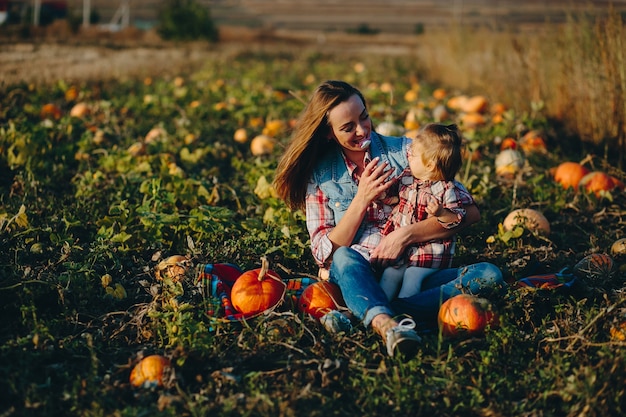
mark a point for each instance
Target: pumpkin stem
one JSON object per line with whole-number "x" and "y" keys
{"x": 587, "y": 159}
{"x": 265, "y": 266}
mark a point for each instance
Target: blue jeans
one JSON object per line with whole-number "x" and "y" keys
{"x": 366, "y": 299}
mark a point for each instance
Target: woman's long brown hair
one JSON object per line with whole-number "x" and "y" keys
{"x": 309, "y": 142}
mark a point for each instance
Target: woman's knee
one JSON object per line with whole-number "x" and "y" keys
{"x": 344, "y": 255}
{"x": 490, "y": 274}
{"x": 491, "y": 271}
{"x": 341, "y": 252}
{"x": 480, "y": 277}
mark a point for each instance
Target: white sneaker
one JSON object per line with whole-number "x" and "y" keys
{"x": 403, "y": 339}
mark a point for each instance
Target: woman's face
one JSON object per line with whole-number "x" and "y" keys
{"x": 350, "y": 124}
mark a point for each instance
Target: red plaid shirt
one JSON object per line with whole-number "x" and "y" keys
{"x": 414, "y": 195}
{"x": 320, "y": 220}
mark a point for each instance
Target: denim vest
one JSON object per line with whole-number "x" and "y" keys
{"x": 333, "y": 178}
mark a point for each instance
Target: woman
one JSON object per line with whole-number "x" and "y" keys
{"x": 341, "y": 173}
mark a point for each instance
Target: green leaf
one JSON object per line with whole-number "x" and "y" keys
{"x": 121, "y": 237}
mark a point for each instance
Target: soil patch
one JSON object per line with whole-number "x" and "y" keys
{"x": 91, "y": 55}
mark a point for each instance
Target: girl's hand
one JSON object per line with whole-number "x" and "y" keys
{"x": 374, "y": 181}
{"x": 434, "y": 208}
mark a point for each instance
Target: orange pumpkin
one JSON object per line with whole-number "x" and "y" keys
{"x": 598, "y": 182}
{"x": 257, "y": 291}
{"x": 241, "y": 135}
{"x": 80, "y": 110}
{"x": 466, "y": 315}
{"x": 155, "y": 134}
{"x": 498, "y": 108}
{"x": 50, "y": 111}
{"x": 386, "y": 87}
{"x": 473, "y": 119}
{"x": 274, "y": 128}
{"x": 475, "y": 104}
{"x": 262, "y": 145}
{"x": 618, "y": 184}
{"x": 439, "y": 93}
{"x": 457, "y": 102}
{"x": 569, "y": 174}
{"x": 319, "y": 298}
{"x": 618, "y": 332}
{"x": 71, "y": 93}
{"x": 149, "y": 371}
{"x": 411, "y": 95}
{"x": 359, "y": 67}
{"x": 256, "y": 122}
{"x": 508, "y": 143}
{"x": 220, "y": 105}
{"x": 533, "y": 142}
{"x": 137, "y": 149}
{"x": 411, "y": 133}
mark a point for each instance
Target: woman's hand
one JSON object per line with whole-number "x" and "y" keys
{"x": 390, "y": 247}
{"x": 393, "y": 245}
{"x": 374, "y": 181}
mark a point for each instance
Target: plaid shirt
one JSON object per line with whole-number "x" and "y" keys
{"x": 414, "y": 196}
{"x": 320, "y": 220}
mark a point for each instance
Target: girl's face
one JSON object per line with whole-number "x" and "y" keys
{"x": 418, "y": 168}
{"x": 350, "y": 124}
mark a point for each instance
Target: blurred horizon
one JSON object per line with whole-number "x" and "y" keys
{"x": 345, "y": 15}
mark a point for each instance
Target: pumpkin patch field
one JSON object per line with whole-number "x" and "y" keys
{"x": 130, "y": 206}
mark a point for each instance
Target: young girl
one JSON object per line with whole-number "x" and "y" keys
{"x": 427, "y": 189}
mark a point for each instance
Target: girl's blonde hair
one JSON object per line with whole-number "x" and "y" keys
{"x": 440, "y": 145}
{"x": 309, "y": 142}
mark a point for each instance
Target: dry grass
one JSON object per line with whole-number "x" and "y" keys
{"x": 575, "y": 73}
